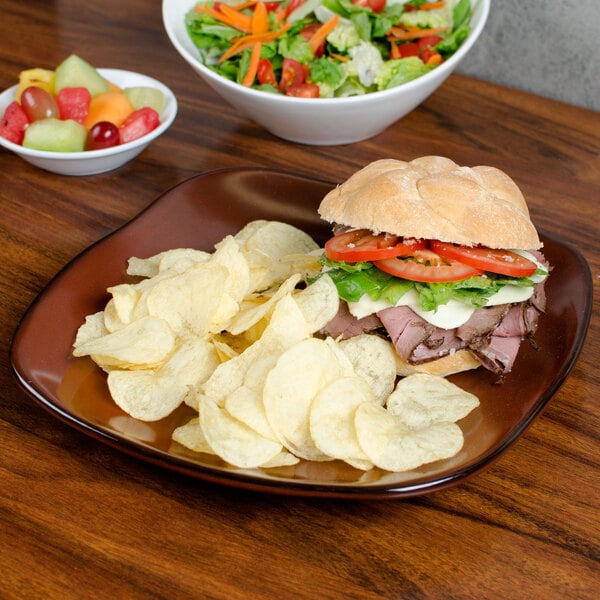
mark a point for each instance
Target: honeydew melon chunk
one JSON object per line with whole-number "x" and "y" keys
{"x": 76, "y": 72}
{"x": 141, "y": 96}
{"x": 54, "y": 135}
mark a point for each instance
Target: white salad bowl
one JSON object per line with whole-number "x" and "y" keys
{"x": 91, "y": 162}
{"x": 319, "y": 121}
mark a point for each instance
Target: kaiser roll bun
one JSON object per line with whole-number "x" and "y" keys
{"x": 457, "y": 362}
{"x": 434, "y": 198}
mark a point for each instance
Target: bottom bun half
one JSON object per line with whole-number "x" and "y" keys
{"x": 459, "y": 361}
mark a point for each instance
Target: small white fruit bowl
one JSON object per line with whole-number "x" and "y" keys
{"x": 92, "y": 162}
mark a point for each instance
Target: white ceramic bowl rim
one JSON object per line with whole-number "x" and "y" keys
{"x": 166, "y": 120}
{"x": 448, "y": 65}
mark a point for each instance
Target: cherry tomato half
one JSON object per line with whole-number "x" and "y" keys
{"x": 265, "y": 73}
{"x": 362, "y": 245}
{"x": 427, "y": 266}
{"x": 502, "y": 262}
{"x": 408, "y": 49}
{"x": 304, "y": 90}
{"x": 293, "y": 5}
{"x": 292, "y": 73}
{"x": 375, "y": 5}
{"x": 428, "y": 41}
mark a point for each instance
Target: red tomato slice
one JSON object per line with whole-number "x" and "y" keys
{"x": 265, "y": 73}
{"x": 502, "y": 262}
{"x": 292, "y": 73}
{"x": 409, "y": 49}
{"x": 428, "y": 42}
{"x": 427, "y": 266}
{"x": 293, "y": 5}
{"x": 304, "y": 90}
{"x": 375, "y": 5}
{"x": 362, "y": 245}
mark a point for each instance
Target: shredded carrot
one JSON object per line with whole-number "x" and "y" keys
{"x": 252, "y": 65}
{"x": 394, "y": 52}
{"x": 398, "y": 33}
{"x": 260, "y": 24}
{"x": 432, "y": 5}
{"x": 247, "y": 41}
{"x": 244, "y": 22}
{"x": 340, "y": 57}
{"x": 244, "y": 5}
{"x": 230, "y": 20}
{"x": 321, "y": 33}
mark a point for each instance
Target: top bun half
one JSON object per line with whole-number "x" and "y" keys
{"x": 434, "y": 198}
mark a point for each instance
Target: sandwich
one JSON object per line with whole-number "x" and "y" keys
{"x": 442, "y": 260}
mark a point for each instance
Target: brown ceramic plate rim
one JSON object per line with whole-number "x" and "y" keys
{"x": 199, "y": 212}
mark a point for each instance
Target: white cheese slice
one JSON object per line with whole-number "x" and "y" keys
{"x": 448, "y": 316}
{"x": 454, "y": 313}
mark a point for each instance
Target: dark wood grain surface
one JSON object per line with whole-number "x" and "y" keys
{"x": 81, "y": 520}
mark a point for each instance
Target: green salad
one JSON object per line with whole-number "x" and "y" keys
{"x": 326, "y": 48}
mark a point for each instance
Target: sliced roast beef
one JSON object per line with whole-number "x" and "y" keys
{"x": 438, "y": 344}
{"x": 539, "y": 296}
{"x": 499, "y": 354}
{"x": 481, "y": 323}
{"x": 406, "y": 329}
{"x": 346, "y": 325}
{"x": 520, "y": 321}
{"x": 492, "y": 334}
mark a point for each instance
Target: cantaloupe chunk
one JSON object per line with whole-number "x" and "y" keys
{"x": 112, "y": 106}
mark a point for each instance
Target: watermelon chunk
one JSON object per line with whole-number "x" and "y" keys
{"x": 13, "y": 124}
{"x": 73, "y": 103}
{"x": 138, "y": 124}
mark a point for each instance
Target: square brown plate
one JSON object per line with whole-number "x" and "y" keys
{"x": 200, "y": 212}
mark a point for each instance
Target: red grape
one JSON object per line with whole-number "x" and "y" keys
{"x": 102, "y": 135}
{"x": 38, "y": 104}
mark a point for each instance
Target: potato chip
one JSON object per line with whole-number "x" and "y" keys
{"x": 423, "y": 399}
{"x": 287, "y": 326}
{"x": 143, "y": 396}
{"x": 283, "y": 459}
{"x": 119, "y": 310}
{"x": 319, "y": 302}
{"x": 290, "y": 387}
{"x": 266, "y": 244}
{"x": 178, "y": 259}
{"x": 393, "y": 446}
{"x": 93, "y": 328}
{"x": 144, "y": 343}
{"x": 233, "y": 441}
{"x": 228, "y": 254}
{"x": 190, "y": 436}
{"x": 253, "y": 311}
{"x": 307, "y": 263}
{"x": 191, "y": 363}
{"x": 332, "y": 420}
{"x": 190, "y": 300}
{"x": 246, "y": 405}
{"x": 373, "y": 359}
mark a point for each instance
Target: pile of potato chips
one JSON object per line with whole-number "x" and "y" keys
{"x": 234, "y": 334}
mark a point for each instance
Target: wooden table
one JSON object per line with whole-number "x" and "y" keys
{"x": 82, "y": 520}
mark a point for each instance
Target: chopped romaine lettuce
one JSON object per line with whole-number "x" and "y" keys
{"x": 359, "y": 56}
